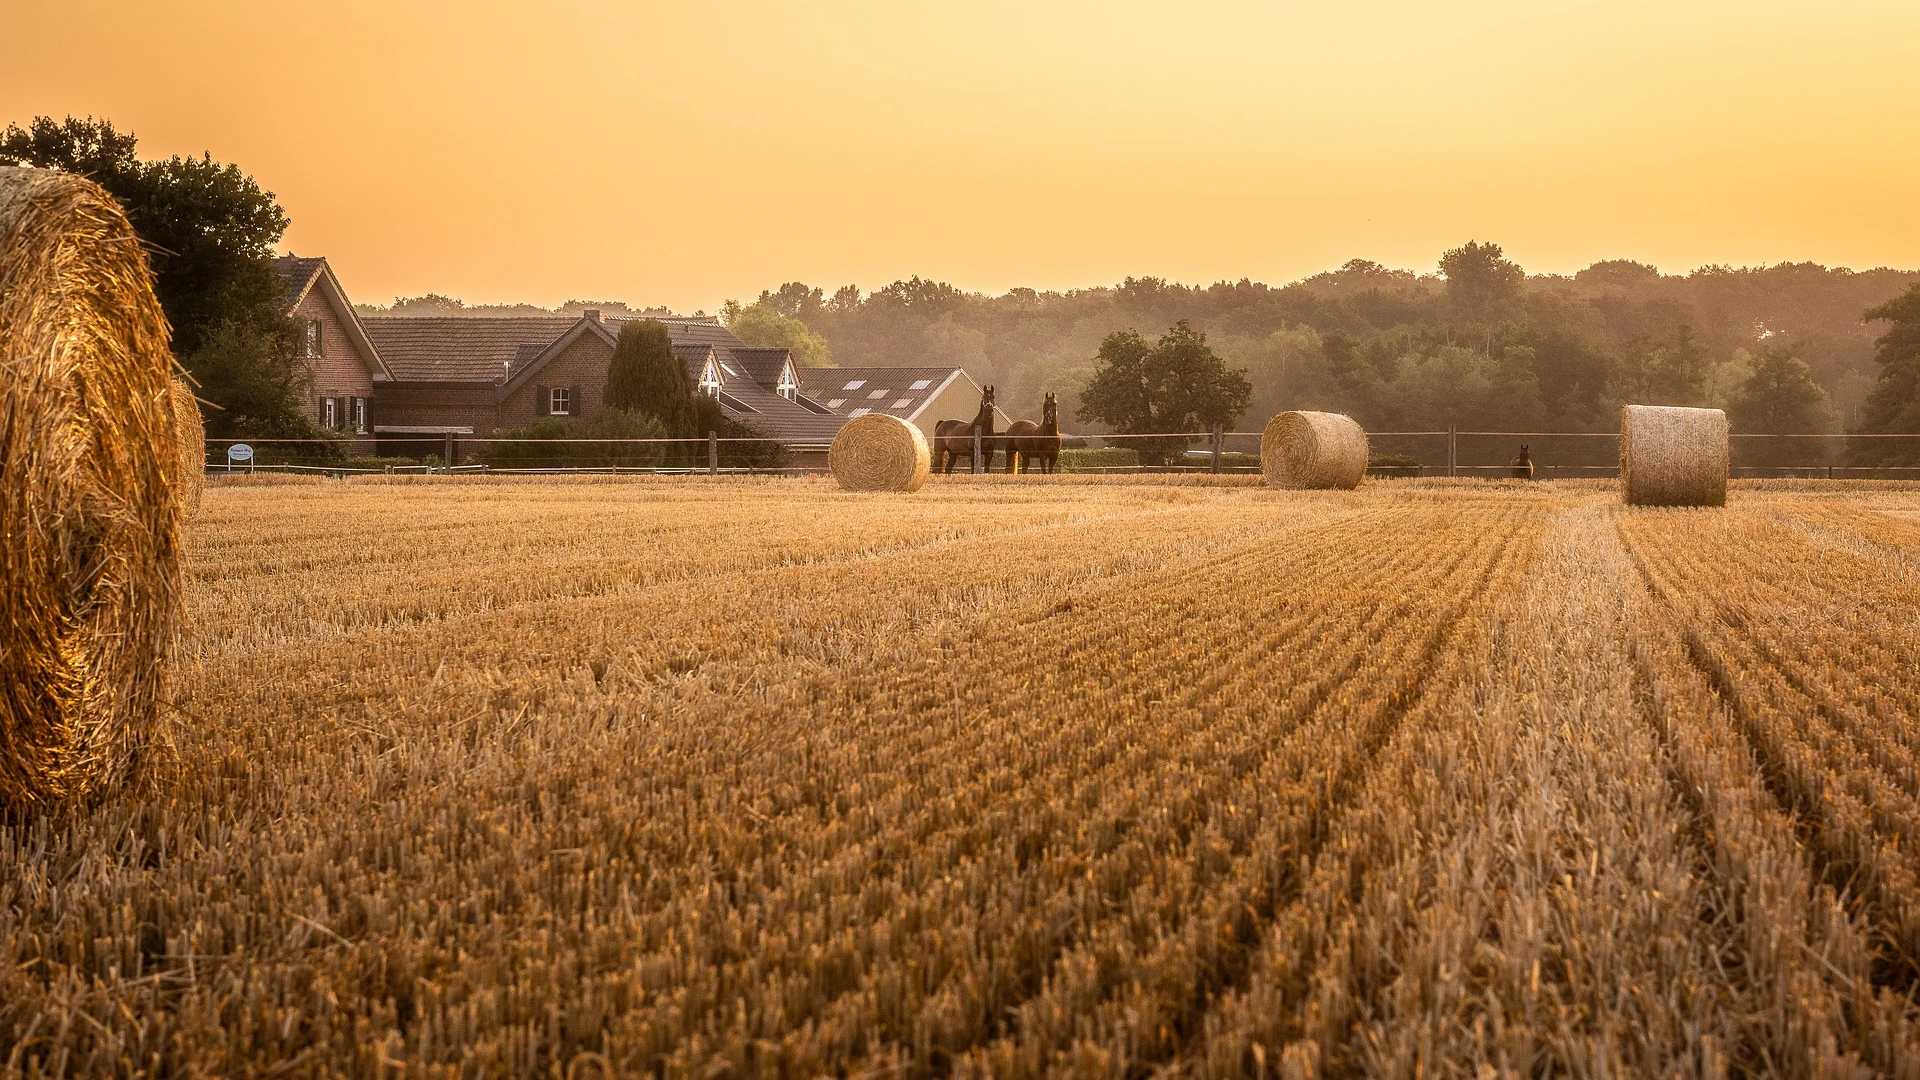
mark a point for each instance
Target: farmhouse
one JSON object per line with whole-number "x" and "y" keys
{"x": 345, "y": 366}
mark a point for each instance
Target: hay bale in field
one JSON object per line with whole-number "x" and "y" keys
{"x": 877, "y": 452}
{"x": 1313, "y": 450}
{"x": 90, "y": 570}
{"x": 190, "y": 434}
{"x": 1673, "y": 456}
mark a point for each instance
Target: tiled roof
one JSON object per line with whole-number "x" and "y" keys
{"x": 452, "y": 348}
{"x": 298, "y": 273}
{"x": 762, "y": 362}
{"x": 897, "y": 391}
{"x": 776, "y": 417}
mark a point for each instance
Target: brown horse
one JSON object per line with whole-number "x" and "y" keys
{"x": 954, "y": 438}
{"x": 1027, "y": 440}
{"x": 1523, "y": 465}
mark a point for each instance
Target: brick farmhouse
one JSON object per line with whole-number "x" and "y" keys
{"x": 411, "y": 385}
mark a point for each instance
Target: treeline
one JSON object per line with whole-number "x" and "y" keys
{"x": 1480, "y": 343}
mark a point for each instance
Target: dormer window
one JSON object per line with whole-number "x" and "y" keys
{"x": 710, "y": 380}
{"x": 788, "y": 386}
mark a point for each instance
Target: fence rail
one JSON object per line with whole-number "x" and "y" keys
{"x": 1439, "y": 452}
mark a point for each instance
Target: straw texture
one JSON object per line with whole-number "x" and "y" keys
{"x": 877, "y": 452}
{"x": 1673, "y": 456}
{"x": 190, "y": 433}
{"x": 1313, "y": 450}
{"x": 90, "y": 567}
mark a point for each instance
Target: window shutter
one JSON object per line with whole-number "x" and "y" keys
{"x": 574, "y": 406}
{"x": 542, "y": 400}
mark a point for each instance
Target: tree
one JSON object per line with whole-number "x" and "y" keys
{"x": 793, "y": 300}
{"x": 1176, "y": 385}
{"x": 1480, "y": 276}
{"x": 759, "y": 324}
{"x": 647, "y": 378}
{"x": 1894, "y": 405}
{"x": 1780, "y": 398}
{"x": 210, "y": 231}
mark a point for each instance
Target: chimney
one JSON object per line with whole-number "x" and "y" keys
{"x": 592, "y": 314}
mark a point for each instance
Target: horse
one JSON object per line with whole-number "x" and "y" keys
{"x": 952, "y": 438}
{"x": 1523, "y": 465}
{"x": 1027, "y": 440}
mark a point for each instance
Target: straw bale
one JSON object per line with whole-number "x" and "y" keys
{"x": 877, "y": 452}
{"x": 1672, "y": 456}
{"x": 1313, "y": 450}
{"x": 190, "y": 433}
{"x": 90, "y": 568}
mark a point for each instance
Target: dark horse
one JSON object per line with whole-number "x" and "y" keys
{"x": 1027, "y": 441}
{"x": 954, "y": 438}
{"x": 1523, "y": 465}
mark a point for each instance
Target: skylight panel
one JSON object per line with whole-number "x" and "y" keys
{"x": 859, "y": 412}
{"x": 880, "y": 393}
{"x": 836, "y": 403}
{"x": 903, "y": 403}
{"x": 855, "y": 384}
{"x": 920, "y": 384}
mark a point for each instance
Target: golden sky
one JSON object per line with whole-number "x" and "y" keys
{"x": 685, "y": 153}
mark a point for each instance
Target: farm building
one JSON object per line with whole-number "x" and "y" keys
{"x": 922, "y": 396}
{"x": 345, "y": 365}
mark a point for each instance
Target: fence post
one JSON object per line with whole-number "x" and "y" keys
{"x": 1219, "y": 440}
{"x": 447, "y": 456}
{"x": 978, "y": 465}
{"x": 1453, "y": 451}
{"x": 713, "y": 453}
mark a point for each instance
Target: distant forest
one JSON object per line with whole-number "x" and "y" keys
{"x": 1480, "y": 344}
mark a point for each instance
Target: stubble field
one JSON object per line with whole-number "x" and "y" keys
{"x": 757, "y": 779}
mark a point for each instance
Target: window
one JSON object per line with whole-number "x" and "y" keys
{"x": 329, "y": 416}
{"x": 855, "y": 384}
{"x": 903, "y": 403}
{"x": 920, "y": 384}
{"x": 729, "y": 370}
{"x": 310, "y": 339}
{"x": 787, "y": 387}
{"x": 560, "y": 401}
{"x": 877, "y": 394}
{"x": 709, "y": 380}
{"x": 836, "y": 403}
{"x": 360, "y": 416}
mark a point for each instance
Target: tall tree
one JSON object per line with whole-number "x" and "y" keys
{"x": 1780, "y": 398}
{"x": 1480, "y": 276}
{"x": 1894, "y": 405}
{"x": 210, "y": 230}
{"x": 648, "y": 378}
{"x": 761, "y": 324}
{"x": 1177, "y": 385}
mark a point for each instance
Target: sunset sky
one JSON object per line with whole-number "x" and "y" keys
{"x": 685, "y": 153}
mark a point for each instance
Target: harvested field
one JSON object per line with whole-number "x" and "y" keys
{"x": 758, "y": 778}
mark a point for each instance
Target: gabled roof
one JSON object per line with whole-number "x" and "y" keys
{"x": 453, "y": 348}
{"x": 303, "y": 277}
{"x": 904, "y": 392}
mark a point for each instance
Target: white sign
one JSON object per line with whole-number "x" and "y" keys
{"x": 239, "y": 452}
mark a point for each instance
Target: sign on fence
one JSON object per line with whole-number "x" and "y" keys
{"x": 240, "y": 452}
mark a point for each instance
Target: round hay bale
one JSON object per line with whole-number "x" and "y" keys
{"x": 1672, "y": 456}
{"x": 90, "y": 575}
{"x": 1313, "y": 450}
{"x": 190, "y": 433}
{"x": 877, "y": 452}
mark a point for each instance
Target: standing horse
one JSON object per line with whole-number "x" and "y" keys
{"x": 1523, "y": 465}
{"x": 1027, "y": 440}
{"x": 952, "y": 438}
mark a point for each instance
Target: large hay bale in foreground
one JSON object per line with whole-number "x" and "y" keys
{"x": 90, "y": 570}
{"x": 877, "y": 452}
{"x": 190, "y": 434}
{"x": 1672, "y": 456}
{"x": 1313, "y": 450}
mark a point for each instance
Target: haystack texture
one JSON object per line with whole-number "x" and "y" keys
{"x": 877, "y": 452}
{"x": 1672, "y": 456}
{"x": 191, "y": 435}
{"x": 1313, "y": 450}
{"x": 89, "y": 455}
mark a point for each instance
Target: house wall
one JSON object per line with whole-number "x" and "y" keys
{"x": 582, "y": 366}
{"x": 438, "y": 405}
{"x": 959, "y": 401}
{"x": 340, "y": 371}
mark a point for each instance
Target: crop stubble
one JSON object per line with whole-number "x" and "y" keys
{"x": 504, "y": 778}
